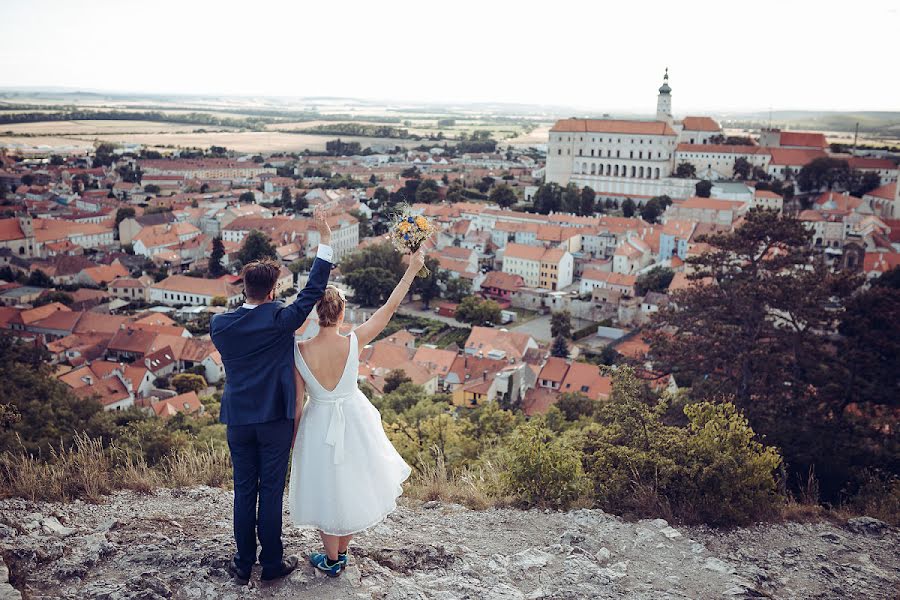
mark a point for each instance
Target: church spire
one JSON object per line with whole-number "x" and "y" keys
{"x": 664, "y": 100}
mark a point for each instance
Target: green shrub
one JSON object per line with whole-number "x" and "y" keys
{"x": 730, "y": 477}
{"x": 544, "y": 470}
{"x": 712, "y": 470}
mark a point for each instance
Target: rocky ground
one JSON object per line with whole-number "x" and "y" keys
{"x": 175, "y": 544}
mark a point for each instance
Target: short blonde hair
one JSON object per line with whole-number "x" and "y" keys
{"x": 330, "y": 306}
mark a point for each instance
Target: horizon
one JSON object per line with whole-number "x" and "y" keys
{"x": 548, "y": 65}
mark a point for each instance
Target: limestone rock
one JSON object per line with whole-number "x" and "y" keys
{"x": 177, "y": 543}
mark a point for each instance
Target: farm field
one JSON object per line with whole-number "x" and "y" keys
{"x": 247, "y": 141}
{"x": 103, "y": 127}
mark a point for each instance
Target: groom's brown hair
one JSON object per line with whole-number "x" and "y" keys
{"x": 259, "y": 278}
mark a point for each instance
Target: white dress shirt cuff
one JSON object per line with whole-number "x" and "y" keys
{"x": 325, "y": 253}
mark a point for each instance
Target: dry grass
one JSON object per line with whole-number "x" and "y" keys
{"x": 89, "y": 471}
{"x": 478, "y": 488}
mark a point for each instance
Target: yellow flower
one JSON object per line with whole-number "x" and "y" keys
{"x": 422, "y": 222}
{"x": 404, "y": 227}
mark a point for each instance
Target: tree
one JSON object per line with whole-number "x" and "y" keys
{"x": 560, "y": 348}
{"x": 628, "y": 207}
{"x": 428, "y": 287}
{"x": 247, "y": 197}
{"x": 188, "y": 382}
{"x": 380, "y": 195}
{"x": 371, "y": 285}
{"x": 863, "y": 183}
{"x": 456, "y": 288}
{"x": 286, "y": 200}
{"x": 215, "y": 267}
{"x": 54, "y": 296}
{"x": 151, "y": 188}
{"x": 651, "y": 210}
{"x": 760, "y": 332}
{"x": 571, "y": 200}
{"x": 561, "y": 324}
{"x": 256, "y": 247}
{"x": 57, "y": 160}
{"x": 126, "y": 212}
{"x": 427, "y": 191}
{"x": 382, "y": 256}
{"x": 219, "y": 301}
{"x": 742, "y": 168}
{"x": 703, "y": 188}
{"x": 575, "y": 406}
{"x": 38, "y": 278}
{"x": 656, "y": 279}
{"x": 395, "y": 379}
{"x": 588, "y": 197}
{"x": 372, "y": 179}
{"x": 35, "y": 406}
{"x": 685, "y": 170}
{"x": 300, "y": 202}
{"x": 548, "y": 199}
{"x": 824, "y": 172}
{"x": 476, "y": 311}
{"x": 503, "y": 195}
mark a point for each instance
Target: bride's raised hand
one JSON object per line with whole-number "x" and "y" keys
{"x": 416, "y": 261}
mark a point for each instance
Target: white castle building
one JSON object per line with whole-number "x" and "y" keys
{"x": 619, "y": 157}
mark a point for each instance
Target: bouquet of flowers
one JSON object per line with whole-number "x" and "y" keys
{"x": 409, "y": 232}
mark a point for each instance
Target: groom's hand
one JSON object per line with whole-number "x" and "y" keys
{"x": 322, "y": 226}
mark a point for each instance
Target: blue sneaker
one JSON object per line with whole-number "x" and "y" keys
{"x": 320, "y": 561}
{"x": 344, "y": 557}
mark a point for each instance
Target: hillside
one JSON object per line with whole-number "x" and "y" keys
{"x": 175, "y": 543}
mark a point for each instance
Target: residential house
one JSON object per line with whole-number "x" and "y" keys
{"x": 178, "y": 290}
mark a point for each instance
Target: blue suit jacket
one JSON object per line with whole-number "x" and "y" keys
{"x": 257, "y": 348}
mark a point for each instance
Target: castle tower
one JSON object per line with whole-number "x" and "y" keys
{"x": 664, "y": 100}
{"x": 26, "y": 224}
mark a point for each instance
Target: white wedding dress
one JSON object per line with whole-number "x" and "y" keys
{"x": 345, "y": 474}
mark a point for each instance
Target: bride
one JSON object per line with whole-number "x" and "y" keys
{"x": 345, "y": 474}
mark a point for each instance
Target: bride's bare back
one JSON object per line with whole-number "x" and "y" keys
{"x": 326, "y": 358}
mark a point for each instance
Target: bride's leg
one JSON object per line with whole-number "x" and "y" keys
{"x": 331, "y": 545}
{"x": 344, "y": 543}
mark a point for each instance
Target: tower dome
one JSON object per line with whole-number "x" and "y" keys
{"x": 664, "y": 88}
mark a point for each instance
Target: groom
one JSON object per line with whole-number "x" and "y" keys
{"x": 256, "y": 342}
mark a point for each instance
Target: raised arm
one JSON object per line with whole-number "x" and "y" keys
{"x": 369, "y": 330}
{"x": 291, "y": 317}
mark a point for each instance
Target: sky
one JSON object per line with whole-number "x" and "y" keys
{"x": 598, "y": 55}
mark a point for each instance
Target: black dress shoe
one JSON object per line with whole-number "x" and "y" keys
{"x": 242, "y": 576}
{"x": 287, "y": 567}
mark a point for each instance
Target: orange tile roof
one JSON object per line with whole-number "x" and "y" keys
{"x": 721, "y": 149}
{"x": 10, "y": 230}
{"x": 185, "y": 403}
{"x": 880, "y": 262}
{"x": 700, "y": 124}
{"x": 42, "y": 312}
{"x": 502, "y": 281}
{"x": 861, "y": 162}
{"x": 524, "y": 252}
{"x": 435, "y": 360}
{"x": 583, "y": 375}
{"x": 554, "y": 369}
{"x": 485, "y": 339}
{"x": 714, "y": 203}
{"x": 803, "y": 139}
{"x": 794, "y": 157}
{"x": 612, "y": 126}
{"x": 887, "y": 191}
